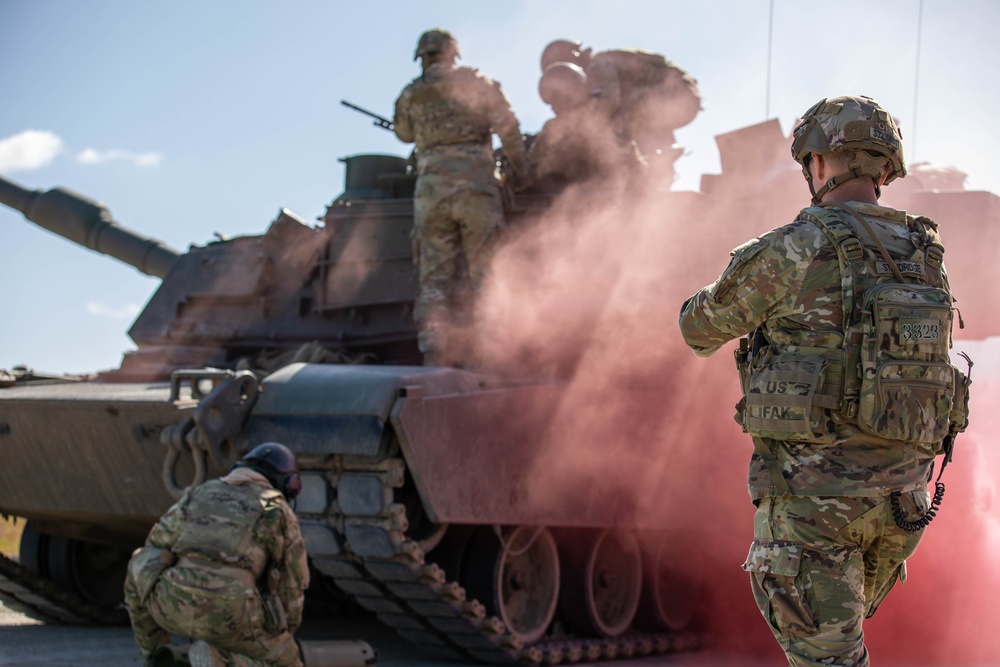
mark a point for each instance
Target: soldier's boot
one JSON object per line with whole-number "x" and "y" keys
{"x": 203, "y": 654}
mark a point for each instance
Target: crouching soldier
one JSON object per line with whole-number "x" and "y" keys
{"x": 226, "y": 566}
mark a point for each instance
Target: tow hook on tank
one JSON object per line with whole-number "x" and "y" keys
{"x": 222, "y": 402}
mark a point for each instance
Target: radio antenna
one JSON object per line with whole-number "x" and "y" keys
{"x": 770, "y": 39}
{"x": 916, "y": 81}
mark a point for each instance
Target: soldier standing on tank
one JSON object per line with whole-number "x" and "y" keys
{"x": 580, "y": 143}
{"x": 646, "y": 95}
{"x": 451, "y": 113}
{"x": 840, "y": 488}
{"x": 226, "y": 566}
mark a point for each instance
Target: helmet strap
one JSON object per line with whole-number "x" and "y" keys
{"x": 855, "y": 172}
{"x": 812, "y": 188}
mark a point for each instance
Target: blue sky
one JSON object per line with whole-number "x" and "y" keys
{"x": 191, "y": 118}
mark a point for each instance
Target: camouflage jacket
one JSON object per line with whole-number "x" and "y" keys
{"x": 209, "y": 522}
{"x": 788, "y": 283}
{"x": 451, "y": 113}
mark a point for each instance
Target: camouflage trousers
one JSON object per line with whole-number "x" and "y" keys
{"x": 454, "y": 220}
{"x": 227, "y": 614}
{"x": 820, "y": 565}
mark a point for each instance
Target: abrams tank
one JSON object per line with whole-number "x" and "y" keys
{"x": 420, "y": 503}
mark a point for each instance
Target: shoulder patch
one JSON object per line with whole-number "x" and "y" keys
{"x": 749, "y": 249}
{"x": 740, "y": 256}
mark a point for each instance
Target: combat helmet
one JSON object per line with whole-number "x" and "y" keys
{"x": 565, "y": 51}
{"x": 278, "y": 464}
{"x": 564, "y": 86}
{"x": 434, "y": 41}
{"x": 850, "y": 123}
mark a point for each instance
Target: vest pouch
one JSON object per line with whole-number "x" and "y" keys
{"x": 908, "y": 383}
{"x": 783, "y": 399}
{"x": 908, "y": 400}
{"x": 909, "y": 321}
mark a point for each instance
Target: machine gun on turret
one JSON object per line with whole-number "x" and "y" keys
{"x": 379, "y": 121}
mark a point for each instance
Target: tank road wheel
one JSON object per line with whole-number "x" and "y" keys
{"x": 95, "y": 572}
{"x": 34, "y": 550}
{"x": 668, "y": 597}
{"x": 449, "y": 553}
{"x": 601, "y": 581}
{"x": 516, "y": 578}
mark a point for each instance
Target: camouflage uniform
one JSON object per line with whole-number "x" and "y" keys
{"x": 229, "y": 538}
{"x": 450, "y": 113}
{"x": 826, "y": 551}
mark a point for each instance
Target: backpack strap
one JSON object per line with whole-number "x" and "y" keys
{"x": 767, "y": 455}
{"x": 875, "y": 239}
{"x": 852, "y": 256}
{"x": 850, "y": 252}
{"x": 930, "y": 244}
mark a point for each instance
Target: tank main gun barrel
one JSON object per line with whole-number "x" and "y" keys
{"x": 88, "y": 223}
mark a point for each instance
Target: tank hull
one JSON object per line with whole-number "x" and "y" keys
{"x": 84, "y": 459}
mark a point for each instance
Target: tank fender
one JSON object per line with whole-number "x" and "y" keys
{"x": 333, "y": 409}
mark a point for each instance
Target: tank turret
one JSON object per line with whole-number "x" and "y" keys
{"x": 88, "y": 223}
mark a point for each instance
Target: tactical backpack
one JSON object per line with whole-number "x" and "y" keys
{"x": 899, "y": 382}
{"x": 893, "y": 375}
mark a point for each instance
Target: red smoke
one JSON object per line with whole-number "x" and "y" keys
{"x": 592, "y": 291}
{"x": 942, "y": 615}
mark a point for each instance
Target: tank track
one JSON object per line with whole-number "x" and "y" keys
{"x": 37, "y": 597}
{"x": 358, "y": 541}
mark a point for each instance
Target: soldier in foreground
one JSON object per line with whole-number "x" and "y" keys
{"x": 849, "y": 393}
{"x": 646, "y": 95}
{"x": 226, "y": 566}
{"x": 451, "y": 113}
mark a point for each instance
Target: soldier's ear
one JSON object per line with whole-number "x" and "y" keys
{"x": 885, "y": 174}
{"x": 819, "y": 166}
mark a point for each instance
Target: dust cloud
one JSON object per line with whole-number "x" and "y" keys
{"x": 590, "y": 291}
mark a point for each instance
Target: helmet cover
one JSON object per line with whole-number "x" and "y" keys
{"x": 850, "y": 123}
{"x": 278, "y": 464}
{"x": 564, "y": 85}
{"x": 434, "y": 41}
{"x": 564, "y": 51}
